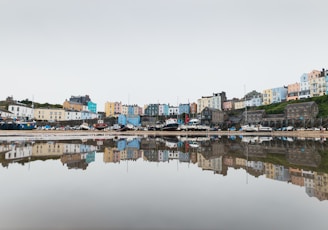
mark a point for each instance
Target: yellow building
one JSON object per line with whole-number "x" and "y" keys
{"x": 71, "y": 105}
{"x": 109, "y": 109}
{"x": 267, "y": 96}
{"x": 239, "y": 104}
{"x": 46, "y": 114}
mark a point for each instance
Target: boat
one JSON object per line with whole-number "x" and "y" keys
{"x": 256, "y": 139}
{"x": 126, "y": 127}
{"x": 122, "y": 128}
{"x": 256, "y": 128}
{"x": 17, "y": 125}
{"x": 249, "y": 128}
{"x": 194, "y": 125}
{"x": 264, "y": 129}
{"x": 171, "y": 124}
{"x": 194, "y": 144}
{"x": 100, "y": 125}
{"x": 84, "y": 126}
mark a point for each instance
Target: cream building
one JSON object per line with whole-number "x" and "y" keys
{"x": 202, "y": 103}
{"x": 47, "y": 149}
{"x": 317, "y": 83}
{"x": 45, "y": 114}
{"x": 125, "y": 110}
{"x": 239, "y": 104}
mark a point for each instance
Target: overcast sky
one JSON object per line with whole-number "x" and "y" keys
{"x": 157, "y": 51}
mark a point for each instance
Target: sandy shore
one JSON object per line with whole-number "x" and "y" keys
{"x": 31, "y": 133}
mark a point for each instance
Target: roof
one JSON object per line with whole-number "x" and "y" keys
{"x": 310, "y": 103}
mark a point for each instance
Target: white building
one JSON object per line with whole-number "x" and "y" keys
{"x": 6, "y": 114}
{"x": 173, "y": 110}
{"x": 73, "y": 115}
{"x": 20, "y": 110}
{"x": 304, "y": 86}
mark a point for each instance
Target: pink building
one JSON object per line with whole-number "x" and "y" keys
{"x": 293, "y": 91}
{"x": 117, "y": 107}
{"x": 227, "y": 105}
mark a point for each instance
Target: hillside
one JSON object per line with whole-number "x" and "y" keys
{"x": 278, "y": 108}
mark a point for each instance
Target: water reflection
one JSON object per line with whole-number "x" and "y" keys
{"x": 301, "y": 162}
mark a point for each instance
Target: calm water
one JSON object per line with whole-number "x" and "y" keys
{"x": 165, "y": 183}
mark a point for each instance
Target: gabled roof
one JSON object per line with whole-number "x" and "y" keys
{"x": 5, "y": 111}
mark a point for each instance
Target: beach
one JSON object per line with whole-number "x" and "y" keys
{"x": 7, "y": 134}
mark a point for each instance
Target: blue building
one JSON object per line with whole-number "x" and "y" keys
{"x": 121, "y": 144}
{"x": 92, "y": 106}
{"x": 184, "y": 108}
{"x": 129, "y": 119}
{"x": 152, "y": 110}
{"x": 279, "y": 94}
{"x": 163, "y": 110}
{"x": 90, "y": 157}
{"x": 130, "y": 109}
{"x": 135, "y": 143}
{"x": 121, "y": 119}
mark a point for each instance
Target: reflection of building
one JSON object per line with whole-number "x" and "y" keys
{"x": 19, "y": 151}
{"x": 125, "y": 150}
{"x": 50, "y": 148}
{"x": 308, "y": 182}
{"x": 277, "y": 172}
{"x": 321, "y": 185}
{"x": 296, "y": 177}
{"x": 303, "y": 156}
{"x": 111, "y": 155}
{"x": 74, "y": 161}
{"x": 214, "y": 164}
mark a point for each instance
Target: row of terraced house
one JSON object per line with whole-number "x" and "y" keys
{"x": 311, "y": 84}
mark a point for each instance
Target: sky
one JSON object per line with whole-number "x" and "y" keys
{"x": 157, "y": 51}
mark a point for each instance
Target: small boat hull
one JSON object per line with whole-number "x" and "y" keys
{"x": 13, "y": 125}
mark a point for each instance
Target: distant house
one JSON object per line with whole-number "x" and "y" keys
{"x": 253, "y": 116}
{"x": 304, "y": 86}
{"x": 92, "y": 106}
{"x": 210, "y": 116}
{"x": 184, "y": 108}
{"x": 279, "y": 94}
{"x": 21, "y": 110}
{"x": 152, "y": 110}
{"x": 302, "y": 111}
{"x": 5, "y": 114}
{"x": 49, "y": 114}
{"x": 73, "y": 105}
{"x": 163, "y": 110}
